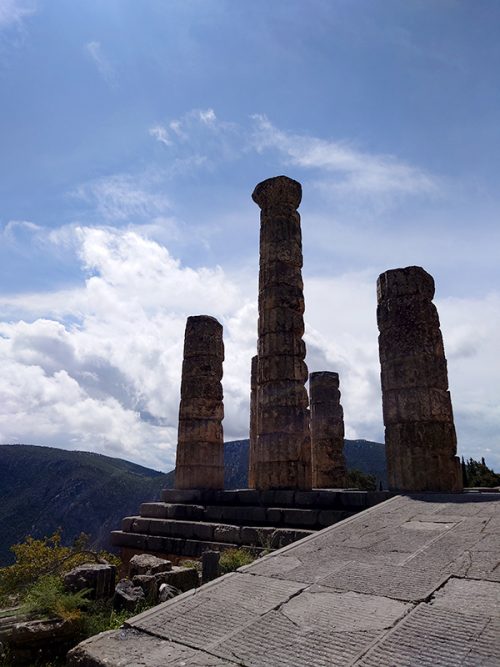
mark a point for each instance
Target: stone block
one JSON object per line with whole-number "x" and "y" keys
{"x": 214, "y": 513}
{"x": 202, "y": 366}
{"x": 329, "y": 517}
{"x": 147, "y": 564}
{"x": 132, "y": 540}
{"x": 261, "y": 537}
{"x": 180, "y": 495}
{"x": 248, "y": 497}
{"x": 201, "y": 408}
{"x": 98, "y": 578}
{"x": 226, "y": 533}
{"x": 127, "y": 596}
{"x": 298, "y": 517}
{"x": 203, "y": 387}
{"x": 186, "y": 512}
{"x": 286, "y": 343}
{"x": 156, "y": 510}
{"x": 140, "y": 525}
{"x": 274, "y": 515}
{"x": 127, "y": 522}
{"x": 306, "y": 498}
{"x": 411, "y": 281}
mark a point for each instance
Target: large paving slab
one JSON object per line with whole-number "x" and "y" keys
{"x": 412, "y": 581}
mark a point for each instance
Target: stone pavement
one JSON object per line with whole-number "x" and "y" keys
{"x": 413, "y": 581}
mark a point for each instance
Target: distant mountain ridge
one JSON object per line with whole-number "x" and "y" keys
{"x": 44, "y": 488}
{"x": 364, "y": 455}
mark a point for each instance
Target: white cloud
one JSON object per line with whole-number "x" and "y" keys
{"x": 104, "y": 67}
{"x": 125, "y": 197}
{"x": 108, "y": 378}
{"x": 13, "y": 12}
{"x": 358, "y": 171}
{"x": 98, "y": 367}
{"x": 342, "y": 168}
{"x": 160, "y": 133}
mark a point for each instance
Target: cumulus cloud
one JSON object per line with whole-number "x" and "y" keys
{"x": 98, "y": 367}
{"x": 105, "y": 375}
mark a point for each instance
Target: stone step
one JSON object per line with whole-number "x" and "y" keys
{"x": 246, "y": 515}
{"x": 174, "y": 546}
{"x": 317, "y": 498}
{"x": 258, "y": 536}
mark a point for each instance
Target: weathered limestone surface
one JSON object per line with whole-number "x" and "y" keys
{"x": 283, "y": 459}
{"x": 252, "y": 454}
{"x": 327, "y": 431}
{"x": 412, "y": 581}
{"x": 419, "y": 429}
{"x": 200, "y": 447}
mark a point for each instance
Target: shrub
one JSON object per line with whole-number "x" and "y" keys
{"x": 36, "y": 558}
{"x": 232, "y": 559}
{"x": 47, "y": 597}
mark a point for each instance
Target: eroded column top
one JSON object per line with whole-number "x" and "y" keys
{"x": 279, "y": 190}
{"x": 412, "y": 280}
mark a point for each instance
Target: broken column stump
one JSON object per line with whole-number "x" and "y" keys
{"x": 327, "y": 431}
{"x": 420, "y": 434}
{"x": 283, "y": 452}
{"x": 200, "y": 446}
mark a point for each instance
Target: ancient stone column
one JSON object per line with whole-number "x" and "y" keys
{"x": 253, "y": 423}
{"x": 327, "y": 431}
{"x": 200, "y": 446}
{"x": 283, "y": 445}
{"x": 420, "y": 434}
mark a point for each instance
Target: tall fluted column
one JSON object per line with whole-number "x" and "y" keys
{"x": 253, "y": 423}
{"x": 284, "y": 444}
{"x": 327, "y": 431}
{"x": 200, "y": 447}
{"x": 420, "y": 437}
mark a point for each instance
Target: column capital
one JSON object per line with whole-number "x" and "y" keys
{"x": 278, "y": 191}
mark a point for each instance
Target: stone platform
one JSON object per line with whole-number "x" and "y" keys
{"x": 188, "y": 522}
{"x": 413, "y": 581}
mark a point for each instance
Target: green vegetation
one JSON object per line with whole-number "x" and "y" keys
{"x": 43, "y": 489}
{"x": 48, "y": 599}
{"x": 34, "y": 584}
{"x": 38, "y": 558}
{"x": 358, "y": 480}
{"x": 232, "y": 559}
{"x": 475, "y": 473}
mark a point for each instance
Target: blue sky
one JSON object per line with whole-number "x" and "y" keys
{"x": 132, "y": 135}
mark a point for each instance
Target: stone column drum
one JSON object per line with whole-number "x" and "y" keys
{"x": 253, "y": 423}
{"x": 283, "y": 445}
{"x": 327, "y": 431}
{"x": 200, "y": 446}
{"x": 420, "y": 437}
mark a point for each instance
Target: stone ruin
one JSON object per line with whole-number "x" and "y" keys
{"x": 200, "y": 446}
{"x": 327, "y": 431}
{"x": 421, "y": 443}
{"x": 282, "y": 452}
{"x": 297, "y": 471}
